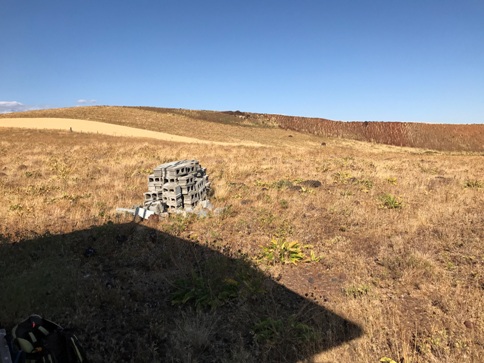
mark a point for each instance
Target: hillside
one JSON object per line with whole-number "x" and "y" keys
{"x": 337, "y": 252}
{"x": 236, "y": 125}
{"x": 212, "y": 126}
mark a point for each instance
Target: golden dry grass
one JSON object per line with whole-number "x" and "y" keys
{"x": 230, "y": 126}
{"x": 410, "y": 274}
{"x": 177, "y": 123}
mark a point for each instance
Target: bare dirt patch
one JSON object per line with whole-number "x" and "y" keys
{"x": 106, "y": 129}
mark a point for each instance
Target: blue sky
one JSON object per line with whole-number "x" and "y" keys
{"x": 376, "y": 60}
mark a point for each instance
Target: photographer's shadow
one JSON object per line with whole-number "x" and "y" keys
{"x": 135, "y": 294}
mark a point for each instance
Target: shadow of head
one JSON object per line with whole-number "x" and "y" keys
{"x": 133, "y": 293}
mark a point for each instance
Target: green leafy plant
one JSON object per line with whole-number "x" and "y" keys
{"x": 346, "y": 193}
{"x": 217, "y": 282}
{"x": 281, "y": 184}
{"x": 366, "y": 185}
{"x": 280, "y": 251}
{"x": 268, "y": 329}
{"x": 342, "y": 177}
{"x": 390, "y": 201}
{"x": 179, "y": 223}
{"x": 60, "y": 168}
{"x": 278, "y": 184}
{"x": 387, "y": 360}
{"x": 392, "y": 180}
{"x": 271, "y": 331}
{"x": 203, "y": 292}
{"x": 15, "y": 207}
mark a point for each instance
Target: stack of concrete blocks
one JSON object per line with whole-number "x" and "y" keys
{"x": 176, "y": 186}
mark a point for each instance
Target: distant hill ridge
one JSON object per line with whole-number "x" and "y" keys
{"x": 443, "y": 137}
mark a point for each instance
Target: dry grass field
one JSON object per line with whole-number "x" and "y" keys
{"x": 230, "y": 126}
{"x": 337, "y": 252}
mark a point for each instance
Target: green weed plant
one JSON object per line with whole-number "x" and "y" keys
{"x": 391, "y": 201}
{"x": 280, "y": 251}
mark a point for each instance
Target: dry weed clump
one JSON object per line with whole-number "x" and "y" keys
{"x": 411, "y": 277}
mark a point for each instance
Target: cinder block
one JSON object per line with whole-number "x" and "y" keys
{"x": 191, "y": 197}
{"x": 171, "y": 198}
{"x": 180, "y": 164}
{"x": 176, "y": 185}
{"x": 189, "y": 205}
{"x": 152, "y": 187}
{"x": 159, "y": 170}
{"x": 181, "y": 168}
{"x": 186, "y": 189}
{"x": 167, "y": 179}
{"x": 186, "y": 180}
{"x": 173, "y": 202}
{"x": 200, "y": 184}
{"x": 157, "y": 195}
{"x": 203, "y": 194}
{"x": 171, "y": 188}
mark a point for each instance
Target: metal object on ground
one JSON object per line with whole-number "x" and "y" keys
{"x": 137, "y": 212}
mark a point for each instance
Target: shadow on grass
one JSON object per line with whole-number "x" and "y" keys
{"x": 147, "y": 296}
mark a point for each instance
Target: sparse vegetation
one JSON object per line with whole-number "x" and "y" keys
{"x": 391, "y": 201}
{"x": 274, "y": 331}
{"x": 217, "y": 125}
{"x": 204, "y": 292}
{"x": 475, "y": 183}
{"x": 356, "y": 291}
{"x": 401, "y": 278}
{"x": 280, "y": 251}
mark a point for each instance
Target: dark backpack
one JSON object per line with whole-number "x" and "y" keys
{"x": 38, "y": 340}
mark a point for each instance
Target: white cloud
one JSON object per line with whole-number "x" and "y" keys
{"x": 15, "y": 106}
{"x": 12, "y": 106}
{"x": 85, "y": 102}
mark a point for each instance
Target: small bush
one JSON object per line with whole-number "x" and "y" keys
{"x": 390, "y": 201}
{"x": 392, "y": 180}
{"x": 280, "y": 251}
{"x": 203, "y": 292}
{"x": 356, "y": 291}
{"x": 272, "y": 331}
{"x": 284, "y": 204}
{"x": 217, "y": 282}
{"x": 469, "y": 183}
